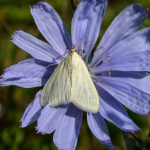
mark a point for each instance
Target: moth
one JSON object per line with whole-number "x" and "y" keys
{"x": 71, "y": 83}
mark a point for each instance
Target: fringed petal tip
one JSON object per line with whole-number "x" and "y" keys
{"x": 2, "y": 81}
{"x": 32, "y": 112}
{"x": 141, "y": 112}
{"x": 36, "y": 6}
{"x": 108, "y": 143}
{"x": 22, "y": 124}
{"x": 39, "y": 131}
{"x": 131, "y": 131}
{"x": 140, "y": 8}
{"x": 8, "y": 69}
{"x": 14, "y": 35}
{"x": 7, "y": 75}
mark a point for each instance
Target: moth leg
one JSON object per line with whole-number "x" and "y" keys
{"x": 82, "y": 56}
{"x": 109, "y": 71}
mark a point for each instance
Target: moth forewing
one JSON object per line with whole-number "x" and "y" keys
{"x": 56, "y": 90}
{"x": 83, "y": 92}
{"x": 71, "y": 82}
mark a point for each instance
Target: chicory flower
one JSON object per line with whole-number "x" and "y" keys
{"x": 119, "y": 62}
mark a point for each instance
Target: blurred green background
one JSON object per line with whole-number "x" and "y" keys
{"x": 15, "y": 15}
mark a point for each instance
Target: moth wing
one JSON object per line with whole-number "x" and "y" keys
{"x": 71, "y": 82}
{"x": 57, "y": 90}
{"x": 83, "y": 92}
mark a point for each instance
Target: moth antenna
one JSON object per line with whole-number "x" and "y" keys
{"x": 51, "y": 65}
{"x": 101, "y": 47}
{"x": 96, "y": 79}
{"x": 104, "y": 49}
{"x": 62, "y": 55}
{"x": 107, "y": 57}
{"x": 80, "y": 50}
{"x": 90, "y": 72}
{"x": 85, "y": 41}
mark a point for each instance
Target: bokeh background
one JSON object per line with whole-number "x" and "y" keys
{"x": 15, "y": 15}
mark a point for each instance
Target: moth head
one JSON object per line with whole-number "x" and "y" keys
{"x": 74, "y": 49}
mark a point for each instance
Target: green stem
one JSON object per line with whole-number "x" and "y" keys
{"x": 134, "y": 143}
{"x": 73, "y": 5}
{"x": 77, "y": 2}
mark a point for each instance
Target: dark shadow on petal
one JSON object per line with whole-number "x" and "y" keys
{"x": 127, "y": 74}
{"x": 139, "y": 9}
{"x": 103, "y": 129}
{"x": 28, "y": 73}
{"x": 50, "y": 68}
{"x": 147, "y": 37}
{"x": 107, "y": 97}
{"x": 35, "y": 117}
{"x": 74, "y": 112}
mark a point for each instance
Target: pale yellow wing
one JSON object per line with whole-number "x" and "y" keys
{"x": 83, "y": 92}
{"x": 71, "y": 82}
{"x": 58, "y": 88}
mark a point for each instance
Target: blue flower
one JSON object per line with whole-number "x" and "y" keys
{"x": 120, "y": 63}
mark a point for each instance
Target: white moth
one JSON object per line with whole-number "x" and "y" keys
{"x": 71, "y": 83}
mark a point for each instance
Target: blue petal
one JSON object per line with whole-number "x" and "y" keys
{"x": 32, "y": 112}
{"x": 80, "y": 21}
{"x": 130, "y": 96}
{"x": 35, "y": 47}
{"x": 137, "y": 42}
{"x": 126, "y": 23}
{"x": 92, "y": 27}
{"x": 114, "y": 112}
{"x": 98, "y": 127}
{"x": 51, "y": 26}
{"x": 50, "y": 118}
{"x": 66, "y": 134}
{"x": 132, "y": 62}
{"x": 140, "y": 80}
{"x": 28, "y": 73}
